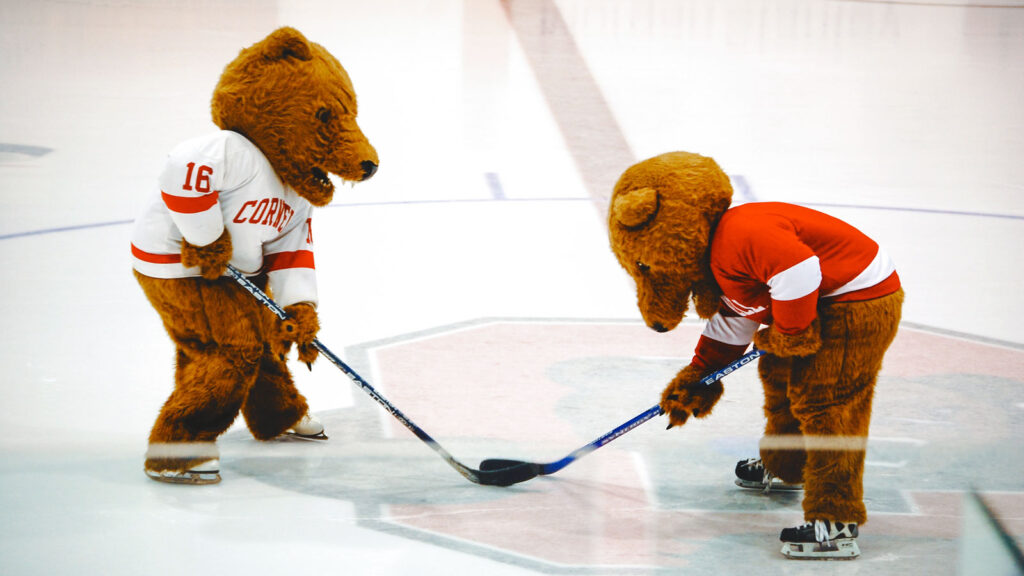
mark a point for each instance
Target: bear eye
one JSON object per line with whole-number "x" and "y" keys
{"x": 323, "y": 114}
{"x": 642, "y": 268}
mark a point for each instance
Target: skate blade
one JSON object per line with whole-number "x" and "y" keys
{"x": 195, "y": 477}
{"x": 780, "y": 486}
{"x": 297, "y": 436}
{"x": 841, "y": 549}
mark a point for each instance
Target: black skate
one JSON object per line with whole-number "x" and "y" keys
{"x": 751, "y": 473}
{"x": 821, "y": 540}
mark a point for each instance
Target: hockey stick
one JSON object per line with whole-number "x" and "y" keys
{"x": 498, "y": 464}
{"x": 495, "y": 476}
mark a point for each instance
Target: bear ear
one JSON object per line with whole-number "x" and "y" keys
{"x": 635, "y": 208}
{"x": 286, "y": 43}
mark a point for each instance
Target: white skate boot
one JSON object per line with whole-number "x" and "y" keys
{"x": 309, "y": 427}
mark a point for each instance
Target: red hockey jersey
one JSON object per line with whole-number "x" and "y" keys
{"x": 774, "y": 262}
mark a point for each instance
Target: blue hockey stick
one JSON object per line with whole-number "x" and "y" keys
{"x": 498, "y": 476}
{"x": 497, "y": 464}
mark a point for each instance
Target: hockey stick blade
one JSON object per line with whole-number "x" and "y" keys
{"x": 509, "y": 472}
{"x": 499, "y": 465}
{"x": 501, "y": 476}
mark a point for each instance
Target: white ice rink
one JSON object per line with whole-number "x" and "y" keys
{"x": 471, "y": 281}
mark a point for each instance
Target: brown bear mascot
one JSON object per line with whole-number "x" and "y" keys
{"x": 244, "y": 196}
{"x": 829, "y": 296}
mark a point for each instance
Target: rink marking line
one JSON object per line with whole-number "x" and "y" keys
{"x": 496, "y": 194}
{"x": 24, "y": 149}
{"x": 494, "y": 185}
{"x": 933, "y": 4}
{"x": 589, "y": 128}
{"x": 918, "y": 420}
{"x": 883, "y": 464}
{"x": 64, "y": 229}
{"x": 899, "y": 440}
{"x": 919, "y": 210}
{"x": 953, "y": 334}
{"x": 494, "y": 552}
{"x": 644, "y": 478}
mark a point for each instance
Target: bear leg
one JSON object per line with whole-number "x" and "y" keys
{"x": 831, "y": 394}
{"x": 218, "y": 329}
{"x": 781, "y": 427}
{"x": 273, "y": 404}
{"x": 209, "y": 390}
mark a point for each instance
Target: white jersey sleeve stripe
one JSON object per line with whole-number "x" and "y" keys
{"x": 881, "y": 267}
{"x": 734, "y": 330}
{"x": 796, "y": 281}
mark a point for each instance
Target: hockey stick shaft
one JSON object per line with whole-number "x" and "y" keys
{"x": 552, "y": 467}
{"x": 651, "y": 412}
{"x": 490, "y": 477}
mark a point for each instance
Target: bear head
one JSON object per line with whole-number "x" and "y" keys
{"x": 292, "y": 99}
{"x": 662, "y": 215}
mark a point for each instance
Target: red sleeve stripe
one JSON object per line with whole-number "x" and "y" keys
{"x": 793, "y": 316}
{"x": 189, "y": 205}
{"x": 155, "y": 258}
{"x": 285, "y": 260}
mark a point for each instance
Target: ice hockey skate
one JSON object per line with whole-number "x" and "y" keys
{"x": 206, "y": 473}
{"x": 821, "y": 540}
{"x": 752, "y": 474}
{"x": 309, "y": 428}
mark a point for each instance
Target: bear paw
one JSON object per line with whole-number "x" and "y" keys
{"x": 211, "y": 259}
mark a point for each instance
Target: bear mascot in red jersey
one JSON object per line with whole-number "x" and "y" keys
{"x": 828, "y": 296}
{"x": 243, "y": 196}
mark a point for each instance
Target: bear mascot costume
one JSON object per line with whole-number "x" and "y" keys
{"x": 829, "y": 296}
{"x": 244, "y": 196}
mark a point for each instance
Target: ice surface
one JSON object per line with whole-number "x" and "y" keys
{"x": 470, "y": 281}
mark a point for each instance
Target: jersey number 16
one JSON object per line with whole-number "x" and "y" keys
{"x": 202, "y": 183}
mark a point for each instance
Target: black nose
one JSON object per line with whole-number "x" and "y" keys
{"x": 658, "y": 327}
{"x": 369, "y": 169}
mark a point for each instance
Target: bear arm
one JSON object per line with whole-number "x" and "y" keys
{"x": 211, "y": 259}
{"x": 686, "y": 396}
{"x": 804, "y": 343}
{"x": 301, "y": 327}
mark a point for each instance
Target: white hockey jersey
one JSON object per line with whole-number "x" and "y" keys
{"x": 222, "y": 181}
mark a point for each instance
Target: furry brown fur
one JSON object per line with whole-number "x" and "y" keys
{"x": 212, "y": 259}
{"x": 294, "y": 101}
{"x": 687, "y": 396}
{"x": 778, "y": 344}
{"x": 662, "y": 215}
{"x": 225, "y": 364}
{"x": 817, "y": 383}
{"x": 829, "y": 394}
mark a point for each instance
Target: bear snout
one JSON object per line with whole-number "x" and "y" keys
{"x": 369, "y": 169}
